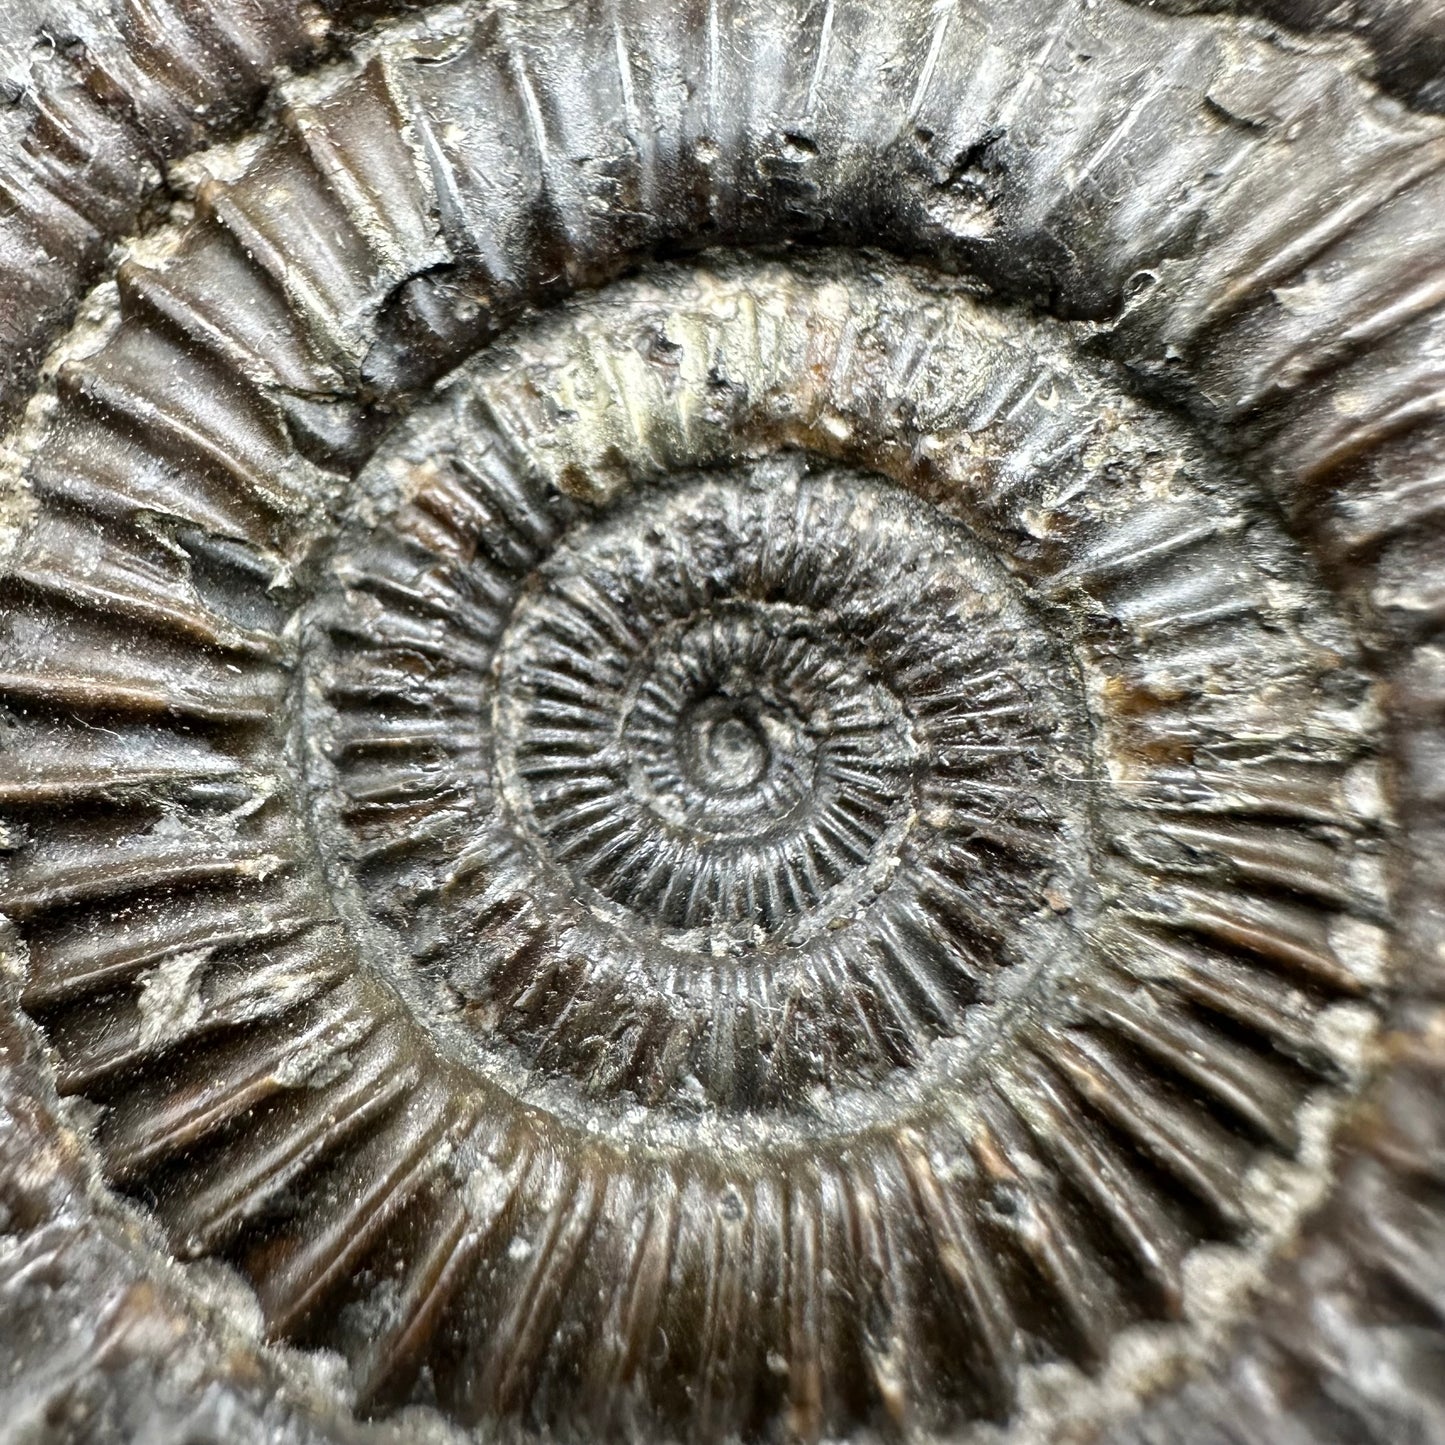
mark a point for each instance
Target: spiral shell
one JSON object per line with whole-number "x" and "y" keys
{"x": 719, "y": 719}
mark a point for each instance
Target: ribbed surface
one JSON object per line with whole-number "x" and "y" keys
{"x": 877, "y": 1188}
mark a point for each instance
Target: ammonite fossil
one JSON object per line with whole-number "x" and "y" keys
{"x": 722, "y": 722}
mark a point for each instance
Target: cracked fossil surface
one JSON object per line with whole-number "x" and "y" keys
{"x": 722, "y": 722}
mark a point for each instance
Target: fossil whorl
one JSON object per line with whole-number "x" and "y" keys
{"x": 720, "y": 719}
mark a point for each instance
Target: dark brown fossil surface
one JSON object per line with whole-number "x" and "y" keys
{"x": 722, "y": 721}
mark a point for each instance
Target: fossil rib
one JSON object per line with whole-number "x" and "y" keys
{"x": 719, "y": 723}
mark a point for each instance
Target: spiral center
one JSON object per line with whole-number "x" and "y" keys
{"x": 701, "y": 736}
{"x": 725, "y": 746}
{"x": 763, "y": 780}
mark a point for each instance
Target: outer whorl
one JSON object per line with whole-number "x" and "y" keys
{"x": 721, "y": 722}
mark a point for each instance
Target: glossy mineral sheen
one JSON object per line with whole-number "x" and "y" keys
{"x": 718, "y": 726}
